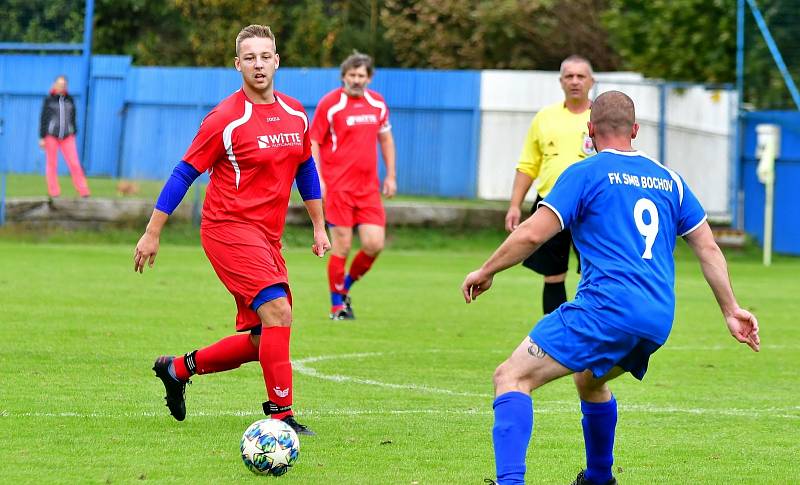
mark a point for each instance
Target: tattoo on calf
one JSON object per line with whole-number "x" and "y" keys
{"x": 535, "y": 350}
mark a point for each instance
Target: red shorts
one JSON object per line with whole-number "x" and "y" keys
{"x": 347, "y": 209}
{"x": 246, "y": 262}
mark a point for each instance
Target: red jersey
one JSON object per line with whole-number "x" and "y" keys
{"x": 253, "y": 151}
{"x": 347, "y": 130}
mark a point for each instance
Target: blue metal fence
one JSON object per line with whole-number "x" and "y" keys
{"x": 142, "y": 119}
{"x": 106, "y": 114}
{"x": 786, "y": 236}
{"x": 24, "y": 82}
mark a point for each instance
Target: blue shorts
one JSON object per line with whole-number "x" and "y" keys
{"x": 584, "y": 344}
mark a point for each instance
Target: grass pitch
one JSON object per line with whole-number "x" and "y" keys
{"x": 33, "y": 185}
{"x": 400, "y": 396}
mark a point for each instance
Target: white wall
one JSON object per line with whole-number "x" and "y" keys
{"x": 698, "y": 130}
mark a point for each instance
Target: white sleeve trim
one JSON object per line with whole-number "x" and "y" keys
{"x": 375, "y": 103}
{"x": 227, "y": 138}
{"x": 340, "y": 105}
{"x": 294, "y": 112}
{"x": 550, "y": 206}
{"x": 695, "y": 226}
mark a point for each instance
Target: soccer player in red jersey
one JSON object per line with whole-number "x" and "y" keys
{"x": 347, "y": 124}
{"x": 255, "y": 143}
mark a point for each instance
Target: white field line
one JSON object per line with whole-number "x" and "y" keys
{"x": 734, "y": 347}
{"x": 764, "y": 413}
{"x": 549, "y": 407}
{"x": 301, "y": 366}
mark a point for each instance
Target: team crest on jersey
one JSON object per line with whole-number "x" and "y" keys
{"x": 588, "y": 146}
{"x": 277, "y": 140}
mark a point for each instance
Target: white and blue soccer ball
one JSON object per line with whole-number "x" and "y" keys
{"x": 269, "y": 447}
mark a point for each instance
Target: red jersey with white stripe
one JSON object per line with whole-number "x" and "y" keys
{"x": 347, "y": 130}
{"x": 253, "y": 151}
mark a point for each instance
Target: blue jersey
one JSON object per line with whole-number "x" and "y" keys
{"x": 625, "y": 211}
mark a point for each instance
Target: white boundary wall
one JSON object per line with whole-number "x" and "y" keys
{"x": 698, "y": 133}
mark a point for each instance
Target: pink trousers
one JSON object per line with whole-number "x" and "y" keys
{"x": 67, "y": 146}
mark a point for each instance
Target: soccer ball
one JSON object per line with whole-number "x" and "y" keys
{"x": 269, "y": 447}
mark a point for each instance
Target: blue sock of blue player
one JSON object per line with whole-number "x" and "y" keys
{"x": 337, "y": 299}
{"x": 599, "y": 422}
{"x": 348, "y": 282}
{"x": 513, "y": 425}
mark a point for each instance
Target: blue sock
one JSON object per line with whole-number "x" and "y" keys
{"x": 513, "y": 425}
{"x": 348, "y": 282}
{"x": 599, "y": 422}
{"x": 337, "y": 299}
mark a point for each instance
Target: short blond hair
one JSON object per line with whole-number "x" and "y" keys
{"x": 255, "y": 30}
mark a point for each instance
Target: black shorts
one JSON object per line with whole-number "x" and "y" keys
{"x": 553, "y": 257}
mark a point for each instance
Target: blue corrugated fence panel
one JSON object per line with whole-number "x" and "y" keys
{"x": 142, "y": 119}
{"x": 154, "y": 139}
{"x": 106, "y": 105}
{"x": 435, "y": 119}
{"x": 21, "y": 134}
{"x": 419, "y": 88}
{"x": 433, "y": 115}
{"x": 111, "y": 66}
{"x": 25, "y": 80}
{"x": 33, "y": 74}
{"x": 181, "y": 85}
{"x": 786, "y": 232}
{"x": 307, "y": 85}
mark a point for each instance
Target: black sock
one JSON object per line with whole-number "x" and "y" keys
{"x": 554, "y": 294}
{"x": 190, "y": 363}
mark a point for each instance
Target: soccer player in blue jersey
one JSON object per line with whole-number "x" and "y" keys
{"x": 625, "y": 211}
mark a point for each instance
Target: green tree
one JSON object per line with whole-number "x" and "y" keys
{"x": 153, "y": 32}
{"x": 313, "y": 34}
{"x": 202, "y": 32}
{"x": 52, "y": 21}
{"x": 502, "y": 34}
{"x": 692, "y": 40}
{"x": 214, "y": 24}
{"x": 324, "y": 32}
{"x": 695, "y": 40}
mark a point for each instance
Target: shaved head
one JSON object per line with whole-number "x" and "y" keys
{"x": 613, "y": 114}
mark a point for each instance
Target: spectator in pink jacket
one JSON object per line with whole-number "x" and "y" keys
{"x": 57, "y": 131}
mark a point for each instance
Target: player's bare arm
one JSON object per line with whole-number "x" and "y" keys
{"x": 321, "y": 242}
{"x": 522, "y": 183}
{"x": 526, "y": 239}
{"x": 315, "y": 152}
{"x": 386, "y": 141}
{"x": 147, "y": 247}
{"x": 742, "y": 324}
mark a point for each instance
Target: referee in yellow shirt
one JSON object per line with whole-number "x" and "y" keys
{"x": 557, "y": 138}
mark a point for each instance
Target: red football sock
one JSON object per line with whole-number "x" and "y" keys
{"x": 273, "y": 354}
{"x": 181, "y": 372}
{"x": 360, "y": 265}
{"x": 229, "y": 353}
{"x": 336, "y": 274}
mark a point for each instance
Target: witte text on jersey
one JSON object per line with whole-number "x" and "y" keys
{"x": 276, "y": 140}
{"x": 365, "y": 119}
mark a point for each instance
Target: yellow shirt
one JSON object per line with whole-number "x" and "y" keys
{"x": 556, "y": 139}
